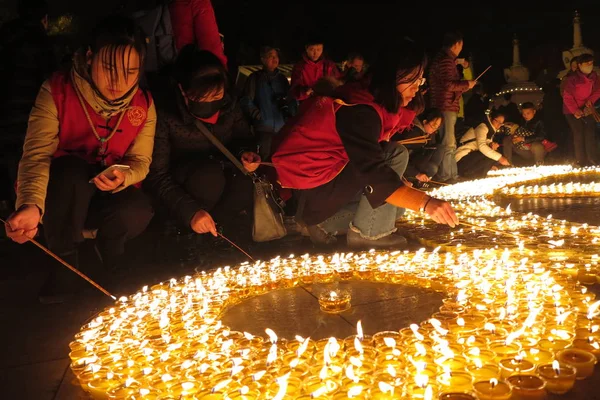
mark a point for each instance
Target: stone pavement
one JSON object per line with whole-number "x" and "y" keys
{"x": 34, "y": 360}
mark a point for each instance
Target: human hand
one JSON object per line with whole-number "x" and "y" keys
{"x": 422, "y": 178}
{"x": 22, "y": 225}
{"x": 441, "y": 212}
{"x": 518, "y": 139}
{"x": 504, "y": 161}
{"x": 202, "y": 222}
{"x": 472, "y": 84}
{"x": 495, "y": 146}
{"x": 251, "y": 161}
{"x": 106, "y": 184}
{"x": 309, "y": 92}
{"x": 578, "y": 114}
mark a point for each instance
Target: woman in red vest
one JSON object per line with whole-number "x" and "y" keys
{"x": 339, "y": 158}
{"x": 82, "y": 122}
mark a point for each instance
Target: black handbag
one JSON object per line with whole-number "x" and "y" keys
{"x": 268, "y": 207}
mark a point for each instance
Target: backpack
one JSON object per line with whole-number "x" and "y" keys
{"x": 156, "y": 25}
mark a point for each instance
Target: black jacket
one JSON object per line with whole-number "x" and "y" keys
{"x": 178, "y": 139}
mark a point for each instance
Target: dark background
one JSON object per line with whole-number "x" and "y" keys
{"x": 544, "y": 30}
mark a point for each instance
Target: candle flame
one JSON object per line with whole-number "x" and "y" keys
{"x": 594, "y": 310}
{"x": 493, "y": 382}
{"x": 421, "y": 380}
{"x": 272, "y": 335}
{"x": 478, "y": 363}
{"x": 248, "y": 336}
{"x": 257, "y": 376}
{"x": 129, "y": 382}
{"x": 420, "y": 349}
{"x": 385, "y": 388}
{"x": 272, "y": 354}
{"x": 283, "y": 383}
{"x": 475, "y": 351}
{"x": 350, "y": 374}
{"x": 556, "y": 367}
{"x": 95, "y": 368}
{"x": 303, "y": 347}
{"x": 244, "y": 390}
{"x": 428, "y": 393}
{"x": 460, "y": 322}
{"x": 358, "y": 346}
{"x": 216, "y": 388}
{"x": 332, "y": 295}
{"x": 323, "y": 373}
{"x": 359, "y": 330}
{"x": 147, "y": 370}
{"x": 319, "y": 392}
{"x": 415, "y": 329}
{"x": 489, "y": 327}
{"x": 355, "y": 391}
{"x": 355, "y": 361}
{"x": 391, "y": 370}
{"x": 144, "y": 392}
{"x": 389, "y": 342}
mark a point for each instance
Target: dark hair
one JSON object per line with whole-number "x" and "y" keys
{"x": 574, "y": 59}
{"x": 117, "y": 33}
{"x": 527, "y": 106}
{"x": 199, "y": 72}
{"x": 431, "y": 114}
{"x": 264, "y": 50}
{"x": 402, "y": 63}
{"x": 354, "y": 56}
{"x": 585, "y": 57}
{"x": 32, "y": 10}
{"x": 451, "y": 38}
{"x": 495, "y": 114}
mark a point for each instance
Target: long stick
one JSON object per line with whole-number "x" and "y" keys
{"x": 481, "y": 74}
{"x": 236, "y": 246}
{"x": 492, "y": 230}
{"x": 438, "y": 183}
{"x": 66, "y": 264}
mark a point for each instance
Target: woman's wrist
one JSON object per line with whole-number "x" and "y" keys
{"x": 424, "y": 207}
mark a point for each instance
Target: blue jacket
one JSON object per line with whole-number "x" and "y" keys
{"x": 264, "y": 100}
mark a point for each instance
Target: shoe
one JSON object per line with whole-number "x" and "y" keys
{"x": 393, "y": 241}
{"x": 319, "y": 236}
{"x": 62, "y": 283}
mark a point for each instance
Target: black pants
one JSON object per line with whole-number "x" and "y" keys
{"x": 474, "y": 165}
{"x": 584, "y": 139}
{"x": 72, "y": 204}
{"x": 219, "y": 187}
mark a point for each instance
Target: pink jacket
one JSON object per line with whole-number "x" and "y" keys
{"x": 579, "y": 89}
{"x": 307, "y": 72}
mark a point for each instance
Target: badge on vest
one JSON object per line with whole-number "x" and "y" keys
{"x": 136, "y": 115}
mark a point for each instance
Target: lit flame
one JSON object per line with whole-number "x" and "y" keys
{"x": 391, "y": 370}
{"x": 389, "y": 342}
{"x": 144, "y": 392}
{"x": 415, "y": 329}
{"x": 493, "y": 382}
{"x": 421, "y": 380}
{"x": 323, "y": 373}
{"x": 303, "y": 347}
{"x": 216, "y": 388}
{"x": 350, "y": 373}
{"x": 428, "y": 393}
{"x": 593, "y": 311}
{"x": 489, "y": 327}
{"x": 556, "y": 367}
{"x": 332, "y": 295}
{"x": 358, "y": 346}
{"x": 257, "y": 376}
{"x": 272, "y": 354}
{"x": 248, "y": 336}
{"x": 319, "y": 392}
{"x": 460, "y": 322}
{"x": 129, "y": 382}
{"x": 355, "y": 391}
{"x": 283, "y": 383}
{"x": 272, "y": 335}
{"x": 166, "y": 378}
{"x": 359, "y": 330}
{"x": 385, "y": 388}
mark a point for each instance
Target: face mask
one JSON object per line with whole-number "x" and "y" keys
{"x": 586, "y": 69}
{"x": 205, "y": 109}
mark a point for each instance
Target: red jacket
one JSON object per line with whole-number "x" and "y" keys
{"x": 445, "y": 85}
{"x": 194, "y": 21}
{"x": 578, "y": 90}
{"x": 76, "y": 136}
{"x": 310, "y": 152}
{"x": 307, "y": 72}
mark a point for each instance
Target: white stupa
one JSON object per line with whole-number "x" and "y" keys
{"x": 518, "y": 84}
{"x": 577, "y": 49}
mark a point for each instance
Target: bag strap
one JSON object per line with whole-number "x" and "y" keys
{"x": 202, "y": 128}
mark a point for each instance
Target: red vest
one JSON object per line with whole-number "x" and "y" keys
{"x": 310, "y": 152}
{"x": 75, "y": 134}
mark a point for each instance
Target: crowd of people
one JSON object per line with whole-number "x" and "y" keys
{"x": 333, "y": 137}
